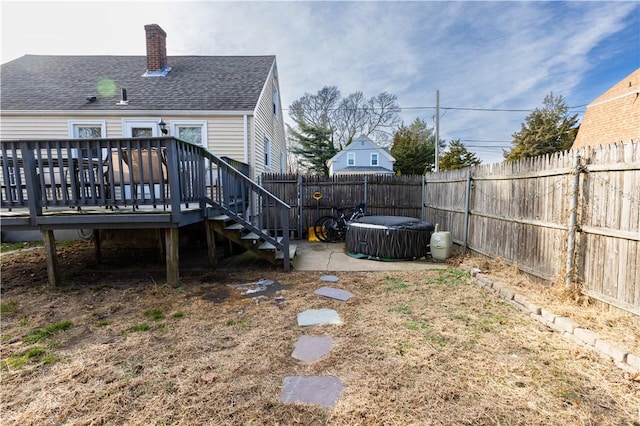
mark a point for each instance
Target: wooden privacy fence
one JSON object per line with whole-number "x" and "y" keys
{"x": 573, "y": 216}
{"x": 383, "y": 195}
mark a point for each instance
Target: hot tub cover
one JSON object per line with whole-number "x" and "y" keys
{"x": 389, "y": 237}
{"x": 394, "y": 222}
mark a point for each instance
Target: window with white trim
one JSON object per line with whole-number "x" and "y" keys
{"x": 190, "y": 131}
{"x": 267, "y": 152}
{"x": 351, "y": 158}
{"x": 374, "y": 158}
{"x": 87, "y": 130}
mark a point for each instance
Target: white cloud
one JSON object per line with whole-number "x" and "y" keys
{"x": 506, "y": 55}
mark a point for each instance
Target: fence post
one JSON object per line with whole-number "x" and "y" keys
{"x": 573, "y": 217}
{"x": 467, "y": 204}
{"x": 300, "y": 208}
{"x": 422, "y": 197}
{"x": 366, "y": 192}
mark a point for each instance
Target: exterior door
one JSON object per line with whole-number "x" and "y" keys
{"x": 143, "y": 129}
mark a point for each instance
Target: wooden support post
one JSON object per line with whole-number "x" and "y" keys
{"x": 162, "y": 245}
{"x": 97, "y": 245}
{"x": 211, "y": 244}
{"x": 53, "y": 272}
{"x": 173, "y": 262}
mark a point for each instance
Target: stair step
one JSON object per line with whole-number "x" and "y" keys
{"x": 292, "y": 252}
{"x": 221, "y": 218}
{"x": 251, "y": 236}
{"x": 235, "y": 227}
{"x": 268, "y": 246}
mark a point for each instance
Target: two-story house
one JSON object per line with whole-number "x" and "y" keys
{"x": 362, "y": 156}
{"x": 228, "y": 104}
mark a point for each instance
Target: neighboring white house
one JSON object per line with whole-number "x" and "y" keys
{"x": 229, "y": 104}
{"x": 362, "y": 156}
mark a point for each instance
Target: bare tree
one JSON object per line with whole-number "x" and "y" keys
{"x": 349, "y": 117}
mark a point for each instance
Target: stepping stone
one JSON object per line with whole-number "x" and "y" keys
{"x": 318, "y": 316}
{"x": 318, "y": 390}
{"x": 334, "y": 293}
{"x": 312, "y": 348}
{"x": 329, "y": 278}
{"x": 260, "y": 286}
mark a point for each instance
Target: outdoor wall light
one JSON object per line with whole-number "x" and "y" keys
{"x": 163, "y": 127}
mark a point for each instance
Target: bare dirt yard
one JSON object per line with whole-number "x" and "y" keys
{"x": 118, "y": 346}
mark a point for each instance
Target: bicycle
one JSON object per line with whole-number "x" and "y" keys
{"x": 329, "y": 229}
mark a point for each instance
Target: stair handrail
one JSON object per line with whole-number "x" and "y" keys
{"x": 238, "y": 196}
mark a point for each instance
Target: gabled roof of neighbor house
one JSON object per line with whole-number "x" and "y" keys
{"x": 614, "y": 116}
{"x": 63, "y": 83}
{"x": 353, "y": 146}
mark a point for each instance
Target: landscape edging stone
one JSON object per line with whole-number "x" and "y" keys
{"x": 567, "y": 329}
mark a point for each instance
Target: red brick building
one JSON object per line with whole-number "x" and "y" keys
{"x": 614, "y": 116}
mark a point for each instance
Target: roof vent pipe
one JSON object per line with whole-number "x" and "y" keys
{"x": 123, "y": 99}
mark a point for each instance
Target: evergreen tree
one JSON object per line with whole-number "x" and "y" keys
{"x": 414, "y": 148}
{"x": 314, "y": 146}
{"x": 546, "y": 130}
{"x": 458, "y": 157}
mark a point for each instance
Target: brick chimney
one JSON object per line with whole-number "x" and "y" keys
{"x": 156, "y": 51}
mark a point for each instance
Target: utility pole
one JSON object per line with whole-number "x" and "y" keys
{"x": 437, "y": 154}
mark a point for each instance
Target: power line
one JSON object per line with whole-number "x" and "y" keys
{"x": 480, "y": 140}
{"x": 463, "y": 108}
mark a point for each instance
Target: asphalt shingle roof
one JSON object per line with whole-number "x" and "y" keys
{"x": 212, "y": 83}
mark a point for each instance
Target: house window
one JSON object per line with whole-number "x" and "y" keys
{"x": 275, "y": 98}
{"x": 267, "y": 152}
{"x": 374, "y": 159}
{"x": 351, "y": 158}
{"x": 87, "y": 130}
{"x": 194, "y": 132}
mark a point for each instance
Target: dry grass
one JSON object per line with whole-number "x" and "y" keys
{"x": 612, "y": 324}
{"x": 415, "y": 348}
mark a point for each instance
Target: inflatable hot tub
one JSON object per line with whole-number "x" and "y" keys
{"x": 388, "y": 237}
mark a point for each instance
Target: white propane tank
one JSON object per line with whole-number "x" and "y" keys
{"x": 440, "y": 244}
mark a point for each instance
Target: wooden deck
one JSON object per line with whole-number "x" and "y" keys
{"x": 133, "y": 183}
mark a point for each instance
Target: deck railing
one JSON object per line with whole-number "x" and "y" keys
{"x": 164, "y": 173}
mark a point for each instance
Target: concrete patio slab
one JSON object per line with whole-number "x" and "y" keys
{"x": 312, "y": 348}
{"x": 333, "y": 257}
{"x": 318, "y": 390}
{"x": 318, "y": 316}
{"x": 334, "y": 293}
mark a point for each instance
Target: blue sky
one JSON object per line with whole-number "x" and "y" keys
{"x": 479, "y": 55}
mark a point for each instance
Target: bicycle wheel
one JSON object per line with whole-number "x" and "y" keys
{"x": 333, "y": 230}
{"x": 320, "y": 228}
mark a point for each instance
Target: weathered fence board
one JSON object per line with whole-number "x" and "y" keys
{"x": 520, "y": 211}
{"x": 608, "y": 265}
{"x": 383, "y": 195}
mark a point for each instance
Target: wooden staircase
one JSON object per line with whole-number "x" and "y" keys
{"x": 227, "y": 227}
